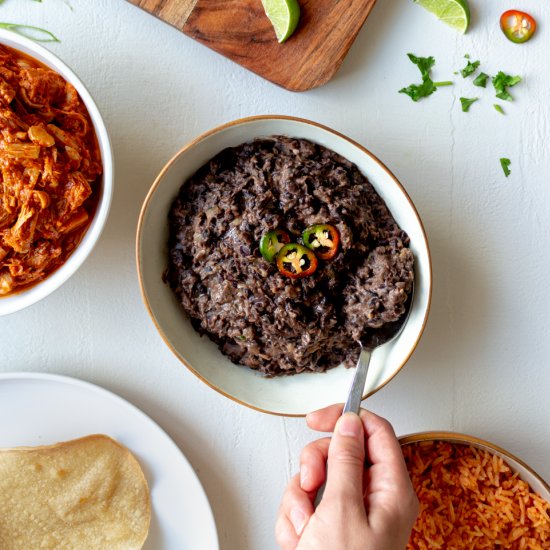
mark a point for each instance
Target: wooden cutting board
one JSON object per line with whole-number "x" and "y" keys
{"x": 240, "y": 30}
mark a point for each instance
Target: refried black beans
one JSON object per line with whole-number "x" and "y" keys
{"x": 257, "y": 316}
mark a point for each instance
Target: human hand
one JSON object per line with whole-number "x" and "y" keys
{"x": 363, "y": 507}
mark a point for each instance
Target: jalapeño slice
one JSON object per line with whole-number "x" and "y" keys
{"x": 323, "y": 239}
{"x": 272, "y": 242}
{"x": 518, "y": 26}
{"x": 296, "y": 261}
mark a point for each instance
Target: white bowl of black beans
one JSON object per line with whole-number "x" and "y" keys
{"x": 256, "y": 367}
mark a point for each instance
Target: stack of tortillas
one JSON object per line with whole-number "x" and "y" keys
{"x": 89, "y": 493}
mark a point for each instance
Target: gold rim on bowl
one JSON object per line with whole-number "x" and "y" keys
{"x": 478, "y": 443}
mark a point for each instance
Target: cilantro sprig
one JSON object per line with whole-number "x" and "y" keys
{"x": 470, "y": 68}
{"x": 428, "y": 86}
{"x": 501, "y": 83}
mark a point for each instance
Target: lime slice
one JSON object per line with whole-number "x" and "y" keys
{"x": 455, "y": 13}
{"x": 284, "y": 16}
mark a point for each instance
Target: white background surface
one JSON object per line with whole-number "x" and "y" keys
{"x": 482, "y": 365}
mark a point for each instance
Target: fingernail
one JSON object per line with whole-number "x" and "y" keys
{"x": 298, "y": 519}
{"x": 350, "y": 425}
{"x": 304, "y": 475}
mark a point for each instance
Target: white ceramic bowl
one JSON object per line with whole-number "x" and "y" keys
{"x": 27, "y": 297}
{"x": 524, "y": 471}
{"x": 290, "y": 395}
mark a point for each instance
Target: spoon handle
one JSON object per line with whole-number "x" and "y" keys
{"x": 354, "y": 399}
{"x": 358, "y": 385}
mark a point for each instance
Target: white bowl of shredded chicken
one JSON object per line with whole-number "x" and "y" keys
{"x": 56, "y": 173}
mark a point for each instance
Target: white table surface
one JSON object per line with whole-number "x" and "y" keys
{"x": 482, "y": 366}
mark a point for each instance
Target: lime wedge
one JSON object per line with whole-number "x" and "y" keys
{"x": 284, "y": 16}
{"x": 456, "y": 13}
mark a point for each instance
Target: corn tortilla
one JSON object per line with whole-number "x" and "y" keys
{"x": 82, "y": 494}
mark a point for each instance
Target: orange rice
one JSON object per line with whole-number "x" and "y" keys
{"x": 471, "y": 499}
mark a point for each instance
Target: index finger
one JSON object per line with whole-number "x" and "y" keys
{"x": 325, "y": 419}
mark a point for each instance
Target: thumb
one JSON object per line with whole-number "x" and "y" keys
{"x": 346, "y": 461}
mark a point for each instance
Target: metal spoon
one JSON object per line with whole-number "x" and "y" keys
{"x": 390, "y": 332}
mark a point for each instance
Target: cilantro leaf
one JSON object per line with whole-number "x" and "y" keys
{"x": 467, "y": 103}
{"x": 424, "y": 64}
{"x": 418, "y": 91}
{"x": 499, "y": 108}
{"x": 501, "y": 83}
{"x": 505, "y": 163}
{"x": 470, "y": 67}
{"x": 428, "y": 86}
{"x": 481, "y": 80}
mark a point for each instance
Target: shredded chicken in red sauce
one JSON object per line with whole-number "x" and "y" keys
{"x": 50, "y": 166}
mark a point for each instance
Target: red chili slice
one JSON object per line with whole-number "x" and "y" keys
{"x": 323, "y": 240}
{"x": 518, "y": 26}
{"x": 296, "y": 261}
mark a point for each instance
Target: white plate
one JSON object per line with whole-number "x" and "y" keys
{"x": 41, "y": 409}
